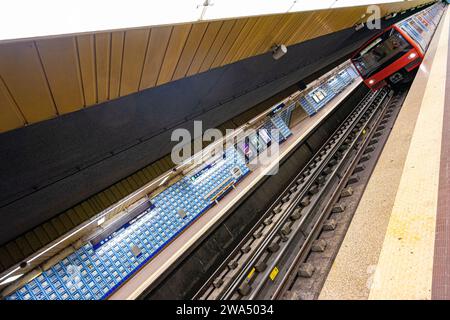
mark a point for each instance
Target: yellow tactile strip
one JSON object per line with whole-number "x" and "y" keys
{"x": 405, "y": 265}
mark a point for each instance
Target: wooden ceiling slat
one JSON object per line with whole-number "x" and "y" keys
{"x": 86, "y": 57}
{"x": 283, "y": 27}
{"x": 11, "y": 117}
{"x": 13, "y": 250}
{"x": 239, "y": 40}
{"x": 267, "y": 41}
{"x": 339, "y": 23}
{"x": 50, "y": 230}
{"x": 159, "y": 39}
{"x": 260, "y": 37}
{"x": 136, "y": 42}
{"x": 217, "y": 45}
{"x": 295, "y": 22}
{"x": 228, "y": 43}
{"x": 319, "y": 20}
{"x": 42, "y": 234}
{"x": 248, "y": 39}
{"x": 115, "y": 73}
{"x": 205, "y": 45}
{"x": 48, "y": 75}
{"x": 190, "y": 49}
{"x": 60, "y": 60}
{"x": 177, "y": 40}
{"x": 22, "y": 72}
{"x": 299, "y": 29}
{"x": 102, "y": 58}
{"x": 5, "y": 258}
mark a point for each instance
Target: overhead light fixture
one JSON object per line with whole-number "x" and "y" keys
{"x": 11, "y": 279}
{"x": 278, "y": 51}
{"x": 359, "y": 26}
{"x": 101, "y": 221}
{"x": 206, "y": 4}
{"x": 164, "y": 179}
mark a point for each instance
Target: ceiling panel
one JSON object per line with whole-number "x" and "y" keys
{"x": 103, "y": 61}
{"x": 292, "y": 21}
{"x": 22, "y": 72}
{"x": 267, "y": 40}
{"x": 136, "y": 42}
{"x": 229, "y": 41}
{"x": 11, "y": 117}
{"x": 177, "y": 40}
{"x": 208, "y": 39}
{"x": 48, "y": 77}
{"x": 157, "y": 45}
{"x": 86, "y": 57}
{"x": 239, "y": 40}
{"x": 60, "y": 61}
{"x": 217, "y": 45}
{"x": 116, "y": 49}
{"x": 190, "y": 49}
{"x": 253, "y": 37}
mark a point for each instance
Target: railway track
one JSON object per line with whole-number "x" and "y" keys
{"x": 307, "y": 282}
{"x": 263, "y": 265}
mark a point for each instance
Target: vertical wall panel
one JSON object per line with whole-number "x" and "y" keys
{"x": 229, "y": 42}
{"x": 5, "y": 258}
{"x": 10, "y": 115}
{"x": 60, "y": 61}
{"x": 157, "y": 45}
{"x": 190, "y": 49}
{"x": 22, "y": 72}
{"x": 49, "y": 76}
{"x": 300, "y": 29}
{"x": 87, "y": 66}
{"x": 239, "y": 40}
{"x": 173, "y": 52}
{"x": 217, "y": 45}
{"x": 285, "y": 29}
{"x": 102, "y": 58}
{"x": 266, "y": 41}
{"x": 253, "y": 38}
{"x": 205, "y": 45}
{"x": 117, "y": 41}
{"x": 136, "y": 42}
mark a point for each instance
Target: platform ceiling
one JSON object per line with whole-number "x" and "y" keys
{"x": 43, "y": 78}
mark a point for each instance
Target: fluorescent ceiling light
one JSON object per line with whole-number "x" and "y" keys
{"x": 30, "y": 18}
{"x": 101, "y": 220}
{"x": 11, "y": 279}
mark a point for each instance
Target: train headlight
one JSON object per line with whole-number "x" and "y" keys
{"x": 412, "y": 55}
{"x": 371, "y": 81}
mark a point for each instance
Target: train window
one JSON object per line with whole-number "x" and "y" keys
{"x": 381, "y": 52}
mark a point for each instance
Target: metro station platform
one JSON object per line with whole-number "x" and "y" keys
{"x": 145, "y": 277}
{"x": 397, "y": 245}
{"x": 95, "y": 207}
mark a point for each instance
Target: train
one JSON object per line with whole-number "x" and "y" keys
{"x": 392, "y": 56}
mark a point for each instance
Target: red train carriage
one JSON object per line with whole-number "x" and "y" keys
{"x": 390, "y": 56}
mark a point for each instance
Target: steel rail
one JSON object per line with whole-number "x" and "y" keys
{"x": 340, "y": 134}
{"x": 347, "y": 165}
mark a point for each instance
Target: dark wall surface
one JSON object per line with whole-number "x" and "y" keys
{"x": 52, "y": 165}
